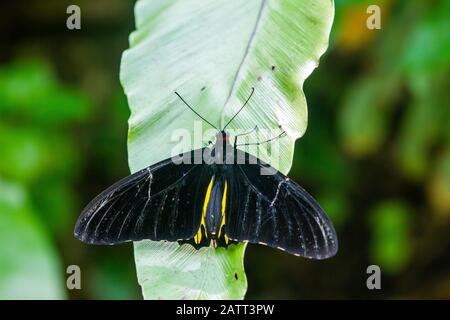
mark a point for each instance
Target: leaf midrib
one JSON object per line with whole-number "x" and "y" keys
{"x": 244, "y": 58}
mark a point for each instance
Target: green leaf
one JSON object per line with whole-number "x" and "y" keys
{"x": 22, "y": 83}
{"x": 439, "y": 184}
{"x": 29, "y": 265}
{"x": 30, "y": 91}
{"x": 390, "y": 246}
{"x": 212, "y": 53}
{"x": 29, "y": 154}
{"x": 165, "y": 270}
{"x": 432, "y": 32}
{"x": 366, "y": 113}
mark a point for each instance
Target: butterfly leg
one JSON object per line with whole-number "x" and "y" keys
{"x": 244, "y": 134}
{"x": 281, "y": 135}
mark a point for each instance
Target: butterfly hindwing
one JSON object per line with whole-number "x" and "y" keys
{"x": 273, "y": 210}
{"x": 160, "y": 202}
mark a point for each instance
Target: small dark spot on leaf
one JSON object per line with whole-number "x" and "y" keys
{"x": 203, "y": 88}
{"x": 259, "y": 78}
{"x": 273, "y": 68}
{"x": 235, "y": 276}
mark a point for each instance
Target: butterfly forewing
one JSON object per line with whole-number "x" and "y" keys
{"x": 160, "y": 202}
{"x": 275, "y": 211}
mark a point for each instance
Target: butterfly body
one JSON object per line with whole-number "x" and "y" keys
{"x": 212, "y": 226}
{"x": 213, "y": 214}
{"x": 213, "y": 219}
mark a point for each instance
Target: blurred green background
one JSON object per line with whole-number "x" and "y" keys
{"x": 376, "y": 153}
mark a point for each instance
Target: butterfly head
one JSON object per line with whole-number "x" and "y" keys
{"x": 222, "y": 136}
{"x": 222, "y": 146}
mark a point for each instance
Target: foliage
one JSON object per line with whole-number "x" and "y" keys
{"x": 271, "y": 46}
{"x": 376, "y": 153}
{"x": 36, "y": 164}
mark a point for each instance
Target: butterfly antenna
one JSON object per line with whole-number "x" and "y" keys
{"x": 251, "y": 93}
{"x": 196, "y": 112}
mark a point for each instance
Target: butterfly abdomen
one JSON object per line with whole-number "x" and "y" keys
{"x": 213, "y": 216}
{"x": 212, "y": 225}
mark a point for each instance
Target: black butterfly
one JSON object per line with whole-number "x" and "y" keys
{"x": 207, "y": 196}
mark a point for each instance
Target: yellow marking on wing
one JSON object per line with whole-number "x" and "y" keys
{"x": 224, "y": 205}
{"x": 198, "y": 236}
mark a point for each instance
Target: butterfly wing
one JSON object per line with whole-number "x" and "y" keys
{"x": 275, "y": 211}
{"x": 160, "y": 202}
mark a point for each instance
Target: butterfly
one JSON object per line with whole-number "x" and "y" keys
{"x": 218, "y": 196}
